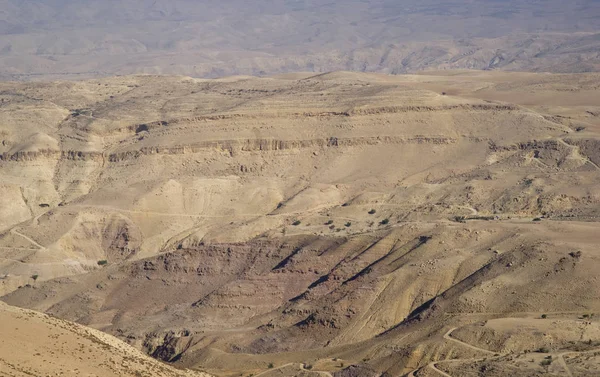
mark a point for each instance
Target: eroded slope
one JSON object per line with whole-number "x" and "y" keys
{"x": 229, "y": 224}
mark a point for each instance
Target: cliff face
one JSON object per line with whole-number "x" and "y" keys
{"x": 237, "y": 222}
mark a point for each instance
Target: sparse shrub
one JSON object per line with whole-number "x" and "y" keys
{"x": 296, "y": 223}
{"x": 543, "y": 350}
{"x": 384, "y": 221}
{"x": 103, "y": 262}
{"x": 308, "y": 366}
{"x": 575, "y": 254}
{"x": 546, "y": 362}
{"x": 271, "y": 365}
{"x": 544, "y": 316}
{"x": 341, "y": 365}
{"x": 332, "y": 227}
{"x": 348, "y": 224}
{"x": 329, "y": 222}
{"x": 35, "y": 277}
{"x": 372, "y": 212}
{"x": 537, "y": 219}
{"x": 345, "y": 204}
{"x": 586, "y": 316}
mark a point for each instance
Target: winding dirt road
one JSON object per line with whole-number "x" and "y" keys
{"x": 447, "y": 336}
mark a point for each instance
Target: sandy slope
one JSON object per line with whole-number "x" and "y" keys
{"x": 35, "y": 344}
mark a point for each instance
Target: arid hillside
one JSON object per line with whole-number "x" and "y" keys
{"x": 35, "y": 344}
{"x": 74, "y": 39}
{"x": 345, "y": 224}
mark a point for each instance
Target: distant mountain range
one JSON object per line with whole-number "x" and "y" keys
{"x": 70, "y": 39}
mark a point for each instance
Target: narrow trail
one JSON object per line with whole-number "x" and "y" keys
{"x": 33, "y": 242}
{"x": 273, "y": 369}
{"x": 563, "y": 364}
{"x": 17, "y": 248}
{"x": 583, "y": 157}
{"x": 448, "y": 337}
{"x": 166, "y": 214}
{"x": 474, "y": 212}
{"x": 452, "y": 314}
{"x": 432, "y": 366}
{"x": 322, "y": 373}
{"x": 302, "y": 366}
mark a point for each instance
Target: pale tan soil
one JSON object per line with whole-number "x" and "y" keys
{"x": 189, "y": 190}
{"x": 35, "y": 344}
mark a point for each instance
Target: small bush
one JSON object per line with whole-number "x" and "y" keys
{"x": 384, "y": 221}
{"x": 537, "y": 219}
{"x": 546, "y": 362}
{"x": 543, "y": 350}
{"x": 308, "y": 366}
{"x": 103, "y": 262}
{"x": 348, "y": 224}
{"x": 35, "y": 277}
{"x": 329, "y": 222}
{"x": 544, "y": 316}
{"x": 576, "y": 254}
{"x": 345, "y": 204}
{"x": 332, "y": 227}
{"x": 296, "y": 223}
{"x": 372, "y": 212}
{"x": 271, "y": 365}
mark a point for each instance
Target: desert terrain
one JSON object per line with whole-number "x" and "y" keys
{"x": 35, "y": 344}
{"x": 74, "y": 39}
{"x": 341, "y": 224}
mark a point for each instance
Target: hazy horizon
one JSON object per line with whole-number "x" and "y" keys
{"x": 54, "y": 38}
